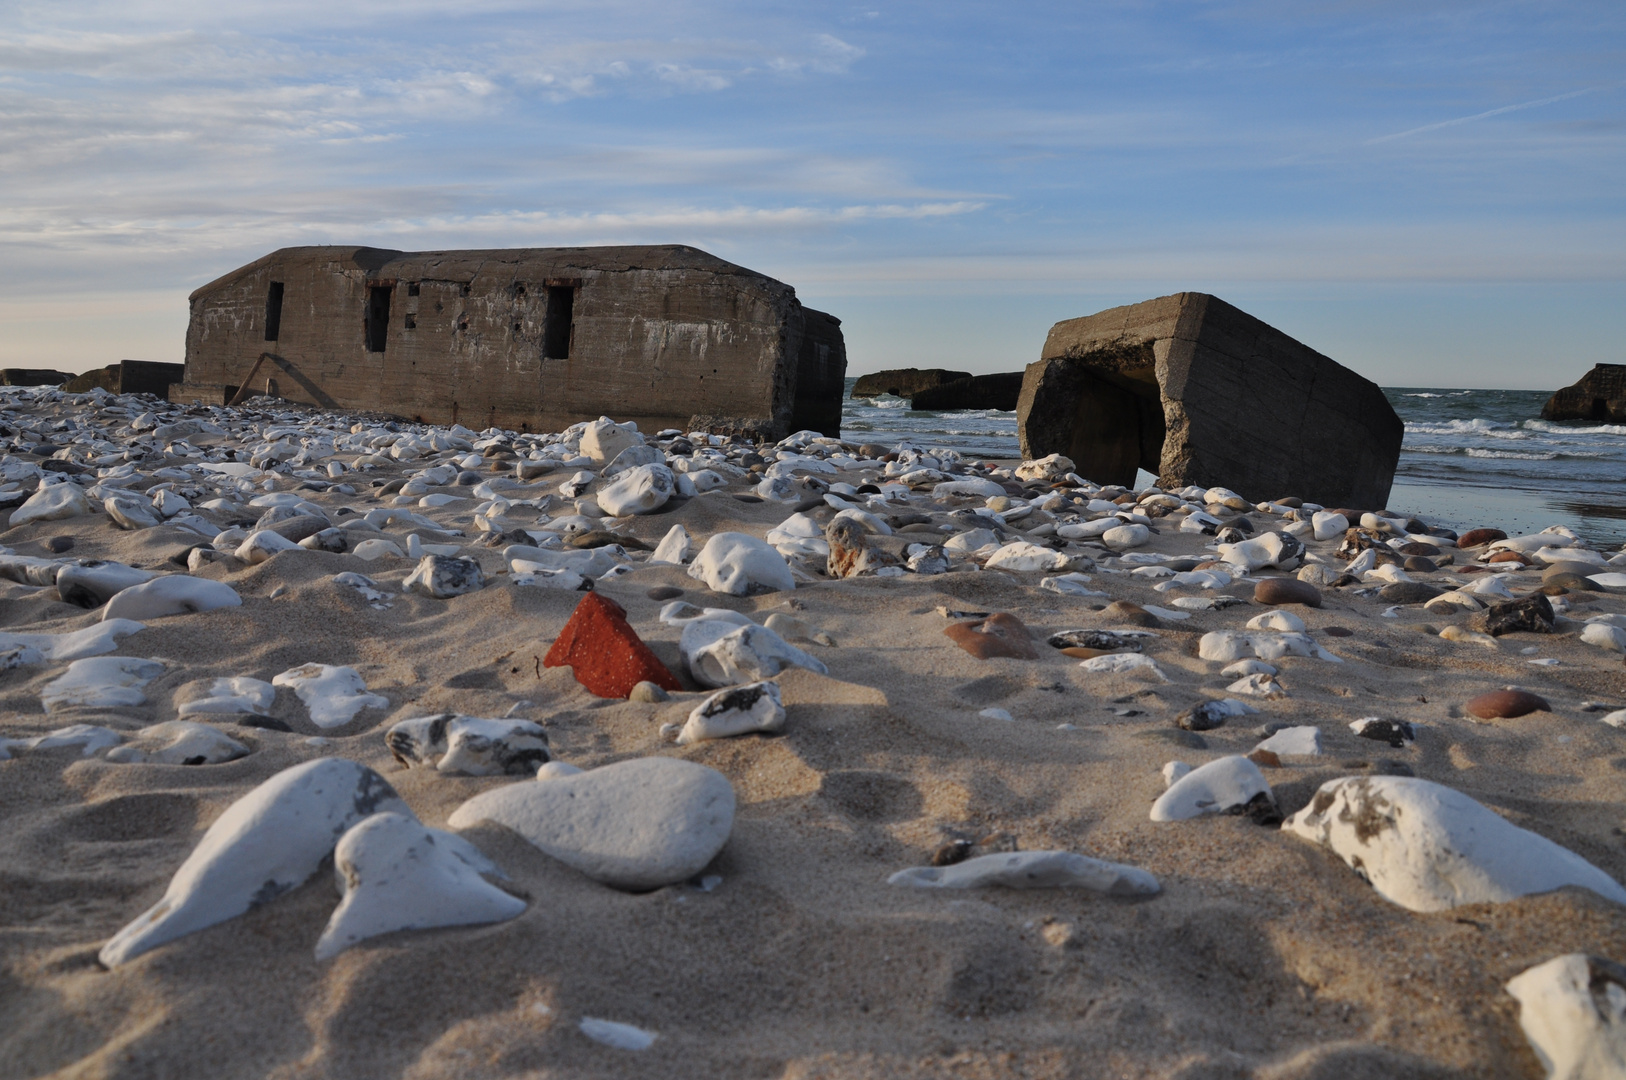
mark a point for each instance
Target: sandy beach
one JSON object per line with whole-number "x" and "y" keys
{"x": 789, "y": 956}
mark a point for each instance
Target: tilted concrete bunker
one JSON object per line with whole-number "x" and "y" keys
{"x": 528, "y": 338}
{"x": 1198, "y": 392}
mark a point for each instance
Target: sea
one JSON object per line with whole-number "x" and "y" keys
{"x": 1470, "y": 458}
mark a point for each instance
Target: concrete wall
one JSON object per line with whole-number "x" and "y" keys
{"x": 1200, "y": 392}
{"x": 654, "y": 334}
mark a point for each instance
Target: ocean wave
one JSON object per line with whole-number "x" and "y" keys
{"x": 1495, "y": 429}
{"x": 886, "y": 403}
{"x": 1512, "y": 455}
{"x": 1549, "y": 427}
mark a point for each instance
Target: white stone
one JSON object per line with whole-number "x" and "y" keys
{"x": 1124, "y": 664}
{"x": 1604, "y": 636}
{"x": 397, "y": 874}
{"x": 334, "y": 695}
{"x": 604, "y": 439}
{"x": 588, "y": 562}
{"x": 369, "y": 550}
{"x": 1024, "y": 557}
{"x": 971, "y": 487}
{"x": 728, "y": 652}
{"x": 266, "y": 843}
{"x": 172, "y": 594}
{"x": 442, "y": 577}
{"x": 1270, "y": 549}
{"x": 470, "y": 745}
{"x": 1124, "y": 537}
{"x": 554, "y": 769}
{"x": 568, "y": 580}
{"x": 1033, "y": 870}
{"x": 1070, "y": 585}
{"x": 101, "y": 682}
{"x": 1609, "y": 582}
{"x": 617, "y": 1035}
{"x": 640, "y": 490}
{"x": 1573, "y": 1010}
{"x": 737, "y": 710}
{"x": 179, "y": 742}
{"x": 739, "y": 564}
{"x": 637, "y": 824}
{"x": 50, "y": 503}
{"x": 1220, "y": 785}
{"x": 130, "y": 511}
{"x": 1258, "y": 685}
{"x": 1049, "y": 467}
{"x": 1173, "y": 771}
{"x": 1329, "y": 526}
{"x": 675, "y": 547}
{"x": 971, "y": 541}
{"x": 1490, "y": 585}
{"x": 1226, "y": 646}
{"x": 1249, "y": 667}
{"x": 86, "y": 738}
{"x": 1570, "y": 555}
{"x": 240, "y": 694}
{"x": 74, "y": 645}
{"x": 94, "y": 583}
{"x": 1301, "y": 741}
{"x": 1428, "y": 847}
{"x": 264, "y": 543}
{"x": 1277, "y": 620}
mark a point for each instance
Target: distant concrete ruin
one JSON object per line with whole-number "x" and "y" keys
{"x": 1599, "y": 395}
{"x": 1198, "y": 392}
{"x": 527, "y": 338}
{"x": 128, "y": 377}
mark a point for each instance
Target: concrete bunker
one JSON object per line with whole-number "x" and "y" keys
{"x": 526, "y": 338}
{"x": 1196, "y": 391}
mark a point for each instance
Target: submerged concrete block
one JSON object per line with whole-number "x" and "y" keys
{"x": 904, "y": 382}
{"x": 1199, "y": 392}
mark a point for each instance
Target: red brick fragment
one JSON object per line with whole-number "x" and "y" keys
{"x": 604, "y": 651}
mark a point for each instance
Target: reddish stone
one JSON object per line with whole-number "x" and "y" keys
{"x": 1279, "y": 590}
{"x": 1509, "y": 556}
{"x": 605, "y": 653}
{"x": 997, "y": 635}
{"x": 1506, "y": 704}
{"x": 1266, "y": 759}
{"x": 1476, "y": 537}
{"x": 1129, "y": 614}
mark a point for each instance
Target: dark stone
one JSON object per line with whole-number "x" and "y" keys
{"x": 1104, "y": 640}
{"x": 58, "y": 544}
{"x": 1396, "y": 733}
{"x": 1600, "y": 395}
{"x": 1419, "y": 564}
{"x": 977, "y": 392}
{"x": 1232, "y": 401}
{"x": 1478, "y": 537}
{"x": 1409, "y": 592}
{"x": 1204, "y": 717}
{"x": 265, "y": 723}
{"x": 809, "y": 504}
{"x": 598, "y": 538}
{"x": 1189, "y": 740}
{"x": 67, "y": 468}
{"x": 664, "y": 592}
{"x": 1569, "y": 580}
{"x": 904, "y": 382}
{"x": 749, "y": 498}
{"x": 1532, "y": 614}
{"x": 1280, "y": 590}
{"x": 1506, "y": 704}
{"x": 1390, "y": 767}
{"x": 1261, "y": 810}
{"x": 1338, "y": 631}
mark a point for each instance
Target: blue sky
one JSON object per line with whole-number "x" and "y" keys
{"x": 1431, "y": 193}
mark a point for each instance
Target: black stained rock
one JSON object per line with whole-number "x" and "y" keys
{"x": 1533, "y": 614}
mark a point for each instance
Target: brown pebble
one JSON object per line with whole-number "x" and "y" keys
{"x": 1279, "y": 590}
{"x": 952, "y": 852}
{"x": 1507, "y": 704}
{"x": 1474, "y": 570}
{"x": 1415, "y": 548}
{"x": 1337, "y": 631}
{"x": 999, "y": 634}
{"x": 1509, "y": 556}
{"x": 1265, "y": 758}
{"x": 1133, "y": 614}
{"x": 1476, "y": 537}
{"x": 1082, "y": 653}
{"x": 664, "y": 592}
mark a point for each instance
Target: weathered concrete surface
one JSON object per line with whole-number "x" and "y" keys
{"x": 15, "y": 376}
{"x": 128, "y": 377}
{"x": 1600, "y": 395}
{"x": 531, "y": 338}
{"x": 1198, "y": 392}
{"x": 905, "y": 382}
{"x": 999, "y": 391}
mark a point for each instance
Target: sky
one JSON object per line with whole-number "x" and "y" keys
{"x": 1433, "y": 194}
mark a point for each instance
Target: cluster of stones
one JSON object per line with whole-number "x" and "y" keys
{"x": 459, "y": 511}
